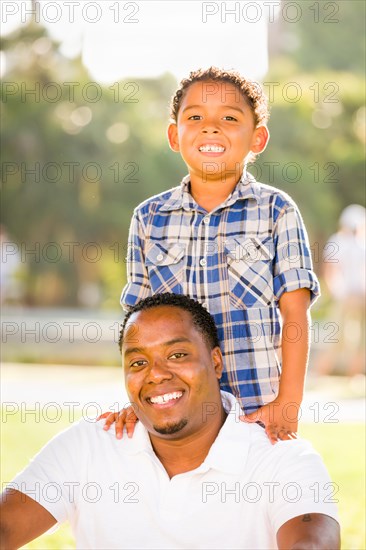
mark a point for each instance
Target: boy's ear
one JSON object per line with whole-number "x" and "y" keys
{"x": 173, "y": 137}
{"x": 260, "y": 139}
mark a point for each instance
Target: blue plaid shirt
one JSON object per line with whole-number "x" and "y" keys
{"x": 237, "y": 261}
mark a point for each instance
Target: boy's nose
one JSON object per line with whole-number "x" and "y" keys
{"x": 210, "y": 129}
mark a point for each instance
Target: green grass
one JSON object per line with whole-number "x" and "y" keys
{"x": 342, "y": 447}
{"x": 19, "y": 442}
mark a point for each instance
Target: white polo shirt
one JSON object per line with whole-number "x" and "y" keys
{"x": 116, "y": 493}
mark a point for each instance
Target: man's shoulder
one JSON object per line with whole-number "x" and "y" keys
{"x": 259, "y": 440}
{"x": 280, "y": 455}
{"x": 83, "y": 435}
{"x": 92, "y": 431}
{"x": 252, "y": 453}
{"x": 78, "y": 433}
{"x": 251, "y": 439}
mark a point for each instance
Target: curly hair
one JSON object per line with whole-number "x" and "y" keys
{"x": 201, "y": 318}
{"x": 250, "y": 90}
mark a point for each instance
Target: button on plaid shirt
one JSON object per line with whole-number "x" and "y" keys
{"x": 237, "y": 261}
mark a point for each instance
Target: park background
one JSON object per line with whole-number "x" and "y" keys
{"x": 79, "y": 153}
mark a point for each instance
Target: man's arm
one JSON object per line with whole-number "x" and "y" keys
{"x": 309, "y": 532}
{"x": 22, "y": 519}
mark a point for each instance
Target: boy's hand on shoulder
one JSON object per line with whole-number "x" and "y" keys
{"x": 125, "y": 417}
{"x": 280, "y": 420}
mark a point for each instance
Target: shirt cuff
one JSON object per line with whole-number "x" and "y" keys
{"x": 293, "y": 279}
{"x": 132, "y": 294}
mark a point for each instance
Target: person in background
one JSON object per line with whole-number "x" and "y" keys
{"x": 10, "y": 263}
{"x": 345, "y": 275}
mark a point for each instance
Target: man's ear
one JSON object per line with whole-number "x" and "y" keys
{"x": 260, "y": 139}
{"x": 217, "y": 361}
{"x": 173, "y": 137}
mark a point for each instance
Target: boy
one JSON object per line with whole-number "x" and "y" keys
{"x": 237, "y": 246}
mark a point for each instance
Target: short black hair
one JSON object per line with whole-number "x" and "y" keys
{"x": 202, "y": 319}
{"x": 249, "y": 89}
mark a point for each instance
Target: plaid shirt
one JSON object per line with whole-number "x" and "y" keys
{"x": 237, "y": 261}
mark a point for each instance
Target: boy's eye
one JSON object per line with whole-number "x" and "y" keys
{"x": 195, "y": 117}
{"x": 228, "y": 117}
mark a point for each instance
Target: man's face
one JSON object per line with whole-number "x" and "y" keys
{"x": 171, "y": 373}
{"x": 215, "y": 127}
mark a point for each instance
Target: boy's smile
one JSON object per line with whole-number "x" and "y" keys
{"x": 215, "y": 132}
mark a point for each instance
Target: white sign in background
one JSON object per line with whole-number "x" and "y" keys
{"x": 144, "y": 39}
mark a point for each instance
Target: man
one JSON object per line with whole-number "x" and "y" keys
{"x": 192, "y": 476}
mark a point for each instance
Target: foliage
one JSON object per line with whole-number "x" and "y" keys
{"x": 85, "y": 187}
{"x": 90, "y": 173}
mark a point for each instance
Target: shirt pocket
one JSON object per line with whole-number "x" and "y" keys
{"x": 165, "y": 264}
{"x": 249, "y": 264}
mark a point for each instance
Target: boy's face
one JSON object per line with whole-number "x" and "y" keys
{"x": 215, "y": 131}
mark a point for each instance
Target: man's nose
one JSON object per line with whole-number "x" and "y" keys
{"x": 159, "y": 372}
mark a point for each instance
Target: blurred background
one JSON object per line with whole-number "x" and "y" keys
{"x": 85, "y": 96}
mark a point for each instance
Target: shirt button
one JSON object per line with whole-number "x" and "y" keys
{"x": 206, "y": 220}
{"x": 203, "y": 262}
{"x": 160, "y": 257}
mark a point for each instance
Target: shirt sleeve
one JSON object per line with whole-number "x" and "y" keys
{"x": 138, "y": 284}
{"x": 293, "y": 267}
{"x": 52, "y": 478}
{"x": 301, "y": 485}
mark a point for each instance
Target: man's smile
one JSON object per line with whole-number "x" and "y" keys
{"x": 165, "y": 399}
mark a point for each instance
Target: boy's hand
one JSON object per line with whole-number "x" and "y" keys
{"x": 280, "y": 420}
{"x": 125, "y": 417}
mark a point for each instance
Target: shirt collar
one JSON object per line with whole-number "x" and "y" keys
{"x": 229, "y": 451}
{"x": 246, "y": 188}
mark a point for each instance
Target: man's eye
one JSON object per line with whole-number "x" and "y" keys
{"x": 177, "y": 355}
{"x": 138, "y": 364}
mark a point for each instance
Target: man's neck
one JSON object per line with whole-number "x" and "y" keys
{"x": 186, "y": 454}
